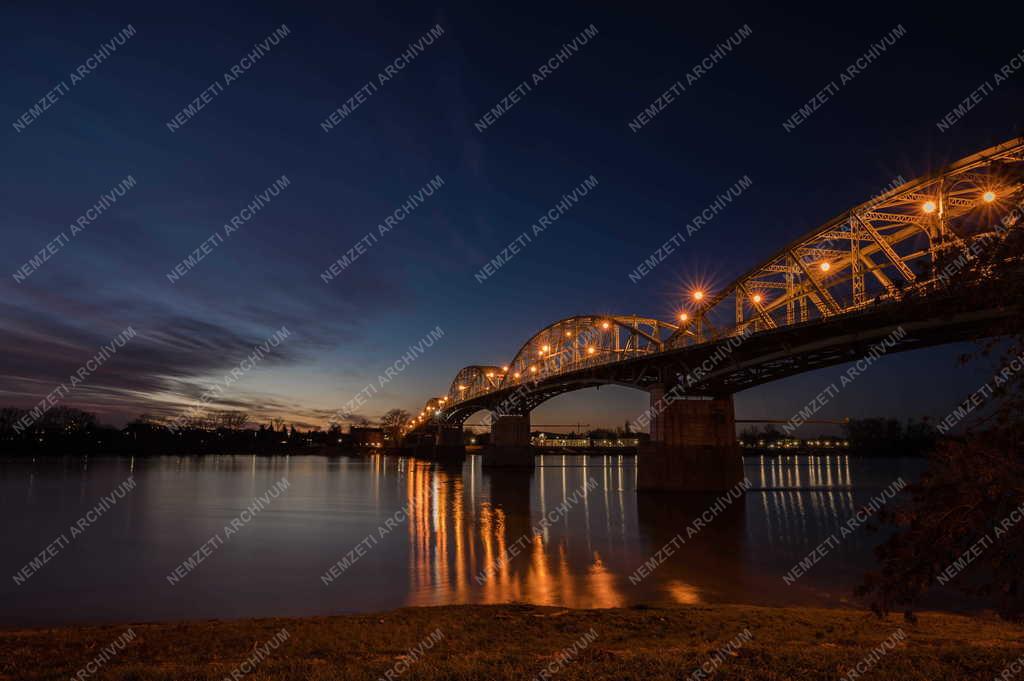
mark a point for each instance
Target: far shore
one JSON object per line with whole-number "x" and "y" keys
{"x": 331, "y": 452}
{"x": 527, "y": 642}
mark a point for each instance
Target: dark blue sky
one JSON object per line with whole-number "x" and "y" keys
{"x": 420, "y": 124}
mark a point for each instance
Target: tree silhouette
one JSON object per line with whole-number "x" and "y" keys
{"x": 963, "y": 524}
{"x": 394, "y": 422}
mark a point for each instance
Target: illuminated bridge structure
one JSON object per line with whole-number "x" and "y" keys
{"x": 883, "y": 272}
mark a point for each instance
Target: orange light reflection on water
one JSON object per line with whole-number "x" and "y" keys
{"x": 466, "y": 548}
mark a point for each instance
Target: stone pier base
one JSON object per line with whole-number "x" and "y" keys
{"x": 498, "y": 456}
{"x": 688, "y": 469}
{"x": 423, "y": 448}
{"x": 510, "y": 434}
{"x": 444, "y": 445}
{"x": 693, "y": 446}
{"x": 450, "y": 447}
{"x": 448, "y": 454}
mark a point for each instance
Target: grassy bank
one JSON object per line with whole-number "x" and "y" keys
{"x": 517, "y": 642}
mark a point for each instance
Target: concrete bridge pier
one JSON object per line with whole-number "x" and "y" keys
{"x": 693, "y": 445}
{"x": 510, "y": 442}
{"x": 422, "y": 445}
{"x": 449, "y": 445}
{"x": 441, "y": 443}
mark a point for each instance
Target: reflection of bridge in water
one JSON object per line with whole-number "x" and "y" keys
{"x": 470, "y": 523}
{"x": 823, "y": 299}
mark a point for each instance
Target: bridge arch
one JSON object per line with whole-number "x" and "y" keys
{"x": 585, "y": 341}
{"x": 473, "y": 381}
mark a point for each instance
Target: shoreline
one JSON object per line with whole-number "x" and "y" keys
{"x": 471, "y": 450}
{"x": 518, "y": 641}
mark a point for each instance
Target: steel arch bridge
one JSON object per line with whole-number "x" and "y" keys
{"x": 822, "y": 299}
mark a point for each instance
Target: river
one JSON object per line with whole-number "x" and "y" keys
{"x": 171, "y": 538}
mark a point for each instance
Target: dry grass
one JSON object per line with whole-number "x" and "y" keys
{"x": 517, "y": 641}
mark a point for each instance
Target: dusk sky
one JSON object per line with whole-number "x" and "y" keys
{"x": 419, "y": 123}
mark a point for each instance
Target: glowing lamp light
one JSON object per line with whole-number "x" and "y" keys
{"x": 545, "y": 348}
{"x": 605, "y": 325}
{"x": 929, "y": 207}
{"x": 568, "y": 333}
{"x": 490, "y": 374}
{"x": 988, "y": 197}
{"x": 683, "y": 317}
{"x": 533, "y": 370}
{"x": 462, "y": 387}
{"x": 698, "y": 295}
{"x": 756, "y": 298}
{"x": 591, "y": 350}
{"x": 825, "y": 267}
{"x": 504, "y": 368}
{"x": 517, "y": 375}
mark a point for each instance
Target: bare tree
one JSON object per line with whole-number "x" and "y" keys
{"x": 394, "y": 422}
{"x": 957, "y": 527}
{"x": 9, "y": 416}
{"x": 68, "y": 419}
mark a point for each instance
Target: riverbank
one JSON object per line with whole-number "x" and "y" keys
{"x": 327, "y": 451}
{"x": 519, "y": 641}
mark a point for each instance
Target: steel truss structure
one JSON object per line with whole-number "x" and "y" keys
{"x": 838, "y": 288}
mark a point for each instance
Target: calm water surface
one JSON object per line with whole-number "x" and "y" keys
{"x": 461, "y": 522}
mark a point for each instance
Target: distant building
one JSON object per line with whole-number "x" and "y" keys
{"x": 362, "y": 436}
{"x": 821, "y": 443}
{"x": 583, "y": 441}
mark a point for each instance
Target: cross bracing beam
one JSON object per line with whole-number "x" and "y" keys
{"x": 886, "y": 248}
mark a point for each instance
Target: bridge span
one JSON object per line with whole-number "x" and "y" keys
{"x": 893, "y": 272}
